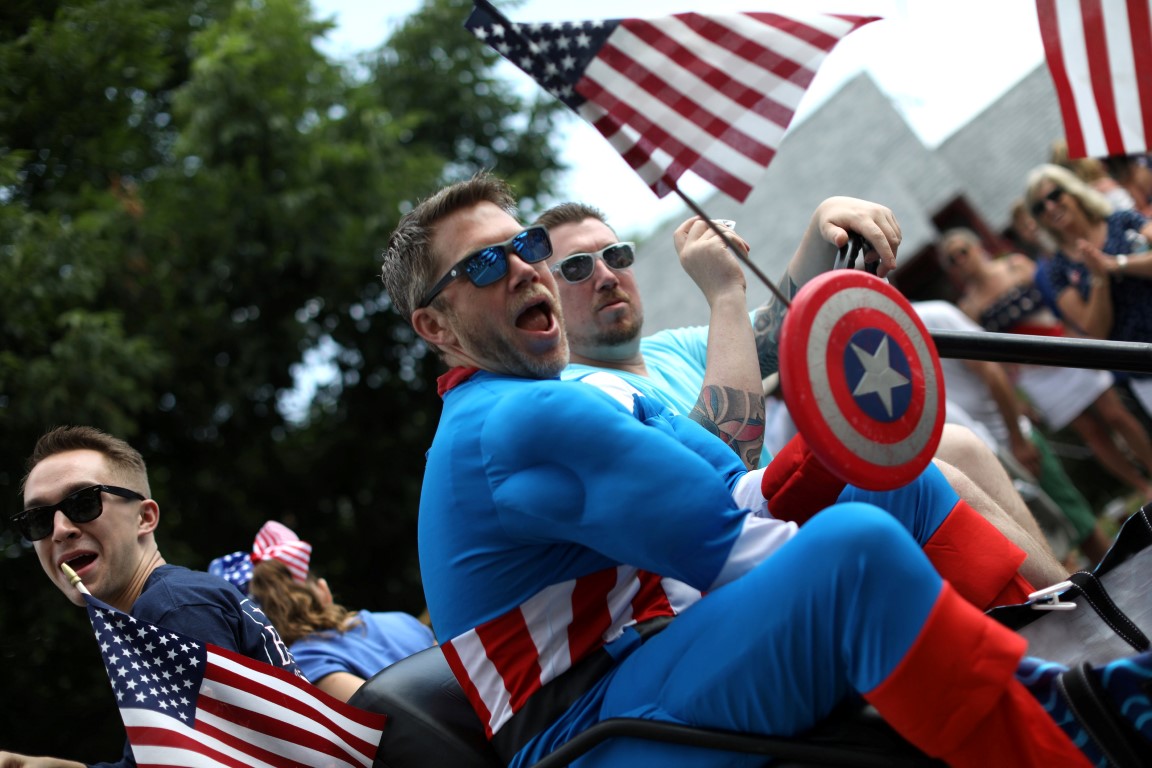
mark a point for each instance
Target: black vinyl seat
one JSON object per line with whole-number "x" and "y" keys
{"x": 431, "y": 724}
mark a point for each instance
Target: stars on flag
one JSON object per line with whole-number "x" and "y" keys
{"x": 148, "y": 667}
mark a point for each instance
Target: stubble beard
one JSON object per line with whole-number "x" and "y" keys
{"x": 617, "y": 335}
{"x": 508, "y": 357}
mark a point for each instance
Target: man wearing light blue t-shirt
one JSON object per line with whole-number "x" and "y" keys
{"x": 714, "y": 373}
{"x": 705, "y": 372}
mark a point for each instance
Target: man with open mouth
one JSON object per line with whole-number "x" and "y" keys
{"x": 552, "y": 518}
{"x": 88, "y": 505}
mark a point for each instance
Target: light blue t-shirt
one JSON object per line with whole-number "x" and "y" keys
{"x": 379, "y": 640}
{"x": 676, "y": 359}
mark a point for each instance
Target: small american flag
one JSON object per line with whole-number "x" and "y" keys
{"x": 708, "y": 93}
{"x": 1100, "y": 55}
{"x": 186, "y": 703}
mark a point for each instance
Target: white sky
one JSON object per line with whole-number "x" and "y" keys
{"x": 940, "y": 61}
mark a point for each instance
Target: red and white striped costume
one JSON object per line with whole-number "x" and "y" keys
{"x": 507, "y": 659}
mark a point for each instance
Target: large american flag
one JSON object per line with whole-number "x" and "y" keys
{"x": 186, "y": 703}
{"x": 708, "y": 93}
{"x": 1100, "y": 55}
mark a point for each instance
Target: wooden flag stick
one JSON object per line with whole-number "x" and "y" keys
{"x": 74, "y": 579}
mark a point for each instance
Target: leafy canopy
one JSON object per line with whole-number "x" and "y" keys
{"x": 192, "y": 200}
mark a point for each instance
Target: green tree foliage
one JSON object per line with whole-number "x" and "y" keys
{"x": 192, "y": 202}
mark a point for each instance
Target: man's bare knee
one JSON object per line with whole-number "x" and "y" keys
{"x": 960, "y": 447}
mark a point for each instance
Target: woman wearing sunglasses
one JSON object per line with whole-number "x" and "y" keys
{"x": 1099, "y": 282}
{"x": 1002, "y": 295}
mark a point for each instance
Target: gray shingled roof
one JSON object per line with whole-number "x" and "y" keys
{"x": 857, "y": 144}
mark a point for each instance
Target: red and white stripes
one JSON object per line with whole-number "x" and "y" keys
{"x": 1100, "y": 55}
{"x": 502, "y": 662}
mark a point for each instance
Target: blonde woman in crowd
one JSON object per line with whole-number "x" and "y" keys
{"x": 1002, "y": 296}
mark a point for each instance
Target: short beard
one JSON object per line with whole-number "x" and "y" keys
{"x": 538, "y": 366}
{"x": 486, "y": 346}
{"x": 619, "y": 335}
{"x": 614, "y": 337}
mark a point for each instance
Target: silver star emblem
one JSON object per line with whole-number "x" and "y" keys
{"x": 879, "y": 378}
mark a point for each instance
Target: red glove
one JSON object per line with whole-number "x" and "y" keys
{"x": 796, "y": 485}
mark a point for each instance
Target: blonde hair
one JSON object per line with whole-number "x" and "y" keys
{"x": 1095, "y": 205}
{"x": 969, "y": 236}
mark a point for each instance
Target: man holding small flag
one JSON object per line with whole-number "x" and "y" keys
{"x": 216, "y": 684}
{"x": 188, "y": 703}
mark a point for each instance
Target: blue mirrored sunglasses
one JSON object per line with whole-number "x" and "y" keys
{"x": 490, "y": 263}
{"x": 579, "y": 266}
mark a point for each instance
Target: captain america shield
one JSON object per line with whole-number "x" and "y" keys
{"x": 861, "y": 379}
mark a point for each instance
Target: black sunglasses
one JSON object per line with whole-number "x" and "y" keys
{"x": 83, "y": 506}
{"x": 578, "y": 267}
{"x": 490, "y": 263}
{"x": 1041, "y": 205}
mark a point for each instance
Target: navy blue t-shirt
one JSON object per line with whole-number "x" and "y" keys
{"x": 210, "y": 610}
{"x": 1131, "y": 298}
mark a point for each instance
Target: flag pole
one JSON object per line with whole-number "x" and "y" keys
{"x": 723, "y": 233}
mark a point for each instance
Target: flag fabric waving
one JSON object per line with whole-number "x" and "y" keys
{"x": 708, "y": 93}
{"x": 1100, "y": 55}
{"x": 190, "y": 704}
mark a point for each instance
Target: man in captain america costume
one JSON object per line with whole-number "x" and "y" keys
{"x": 550, "y": 515}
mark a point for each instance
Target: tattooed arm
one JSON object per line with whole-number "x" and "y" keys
{"x": 827, "y": 231}
{"x": 740, "y": 355}
{"x": 735, "y": 416}
{"x": 730, "y": 404}
{"x": 766, "y": 324}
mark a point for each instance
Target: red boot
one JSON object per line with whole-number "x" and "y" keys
{"x": 955, "y": 695}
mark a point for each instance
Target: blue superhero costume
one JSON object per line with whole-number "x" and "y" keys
{"x": 796, "y": 485}
{"x": 549, "y": 520}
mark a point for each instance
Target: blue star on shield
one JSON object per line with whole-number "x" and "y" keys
{"x": 878, "y": 375}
